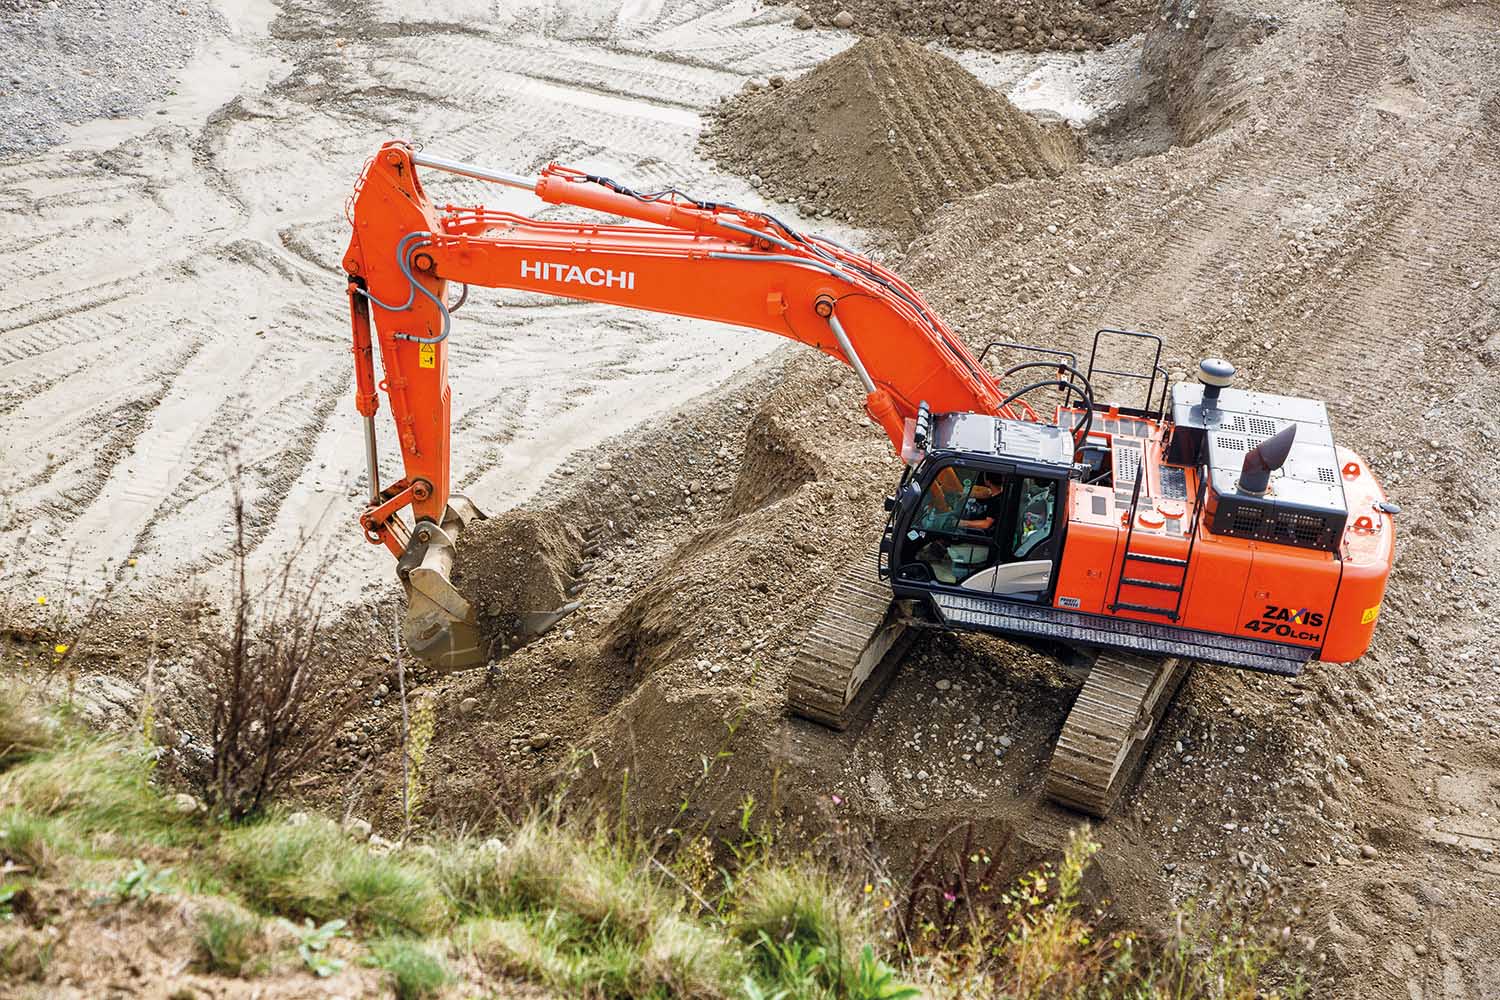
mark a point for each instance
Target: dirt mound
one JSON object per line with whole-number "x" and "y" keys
{"x": 883, "y": 134}
{"x": 1034, "y": 25}
{"x": 774, "y": 464}
{"x": 518, "y": 568}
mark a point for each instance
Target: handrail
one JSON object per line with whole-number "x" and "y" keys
{"x": 1149, "y": 377}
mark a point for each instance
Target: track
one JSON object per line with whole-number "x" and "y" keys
{"x": 851, "y": 650}
{"x": 1110, "y": 729}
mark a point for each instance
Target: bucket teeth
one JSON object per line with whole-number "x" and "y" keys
{"x": 535, "y": 623}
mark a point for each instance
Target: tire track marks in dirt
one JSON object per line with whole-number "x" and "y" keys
{"x": 171, "y": 250}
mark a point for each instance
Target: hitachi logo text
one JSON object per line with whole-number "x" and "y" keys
{"x": 598, "y": 277}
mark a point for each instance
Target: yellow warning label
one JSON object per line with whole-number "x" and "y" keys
{"x": 1370, "y": 615}
{"x": 427, "y": 355}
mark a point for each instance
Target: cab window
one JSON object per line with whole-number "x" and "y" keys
{"x": 945, "y": 499}
{"x": 960, "y": 499}
{"x": 1036, "y": 513}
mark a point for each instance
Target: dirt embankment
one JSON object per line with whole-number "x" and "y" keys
{"x": 882, "y": 134}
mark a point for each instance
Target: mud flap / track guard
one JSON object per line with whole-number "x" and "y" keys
{"x": 441, "y": 627}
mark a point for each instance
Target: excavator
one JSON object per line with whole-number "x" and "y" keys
{"x": 1195, "y": 522}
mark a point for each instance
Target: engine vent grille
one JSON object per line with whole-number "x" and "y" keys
{"x": 1288, "y": 527}
{"x": 1262, "y": 427}
{"x": 1173, "y": 483}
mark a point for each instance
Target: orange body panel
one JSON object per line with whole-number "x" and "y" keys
{"x": 1368, "y": 548}
{"x": 1234, "y": 586}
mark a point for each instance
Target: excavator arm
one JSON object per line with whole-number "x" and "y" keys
{"x": 691, "y": 258}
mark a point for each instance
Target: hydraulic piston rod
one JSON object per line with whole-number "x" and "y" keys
{"x": 469, "y": 170}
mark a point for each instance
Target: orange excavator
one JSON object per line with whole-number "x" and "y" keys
{"x": 1199, "y": 522}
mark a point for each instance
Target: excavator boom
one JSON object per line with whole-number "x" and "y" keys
{"x": 688, "y": 257}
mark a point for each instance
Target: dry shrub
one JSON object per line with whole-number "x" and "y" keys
{"x": 953, "y": 882}
{"x": 275, "y": 700}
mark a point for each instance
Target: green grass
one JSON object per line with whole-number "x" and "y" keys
{"x": 23, "y": 734}
{"x": 579, "y": 910}
{"x": 35, "y": 842}
{"x": 416, "y": 973}
{"x": 231, "y": 941}
{"x": 101, "y": 788}
{"x": 313, "y": 870}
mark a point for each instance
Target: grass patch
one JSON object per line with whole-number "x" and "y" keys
{"x": 584, "y": 911}
{"x": 803, "y": 932}
{"x": 23, "y": 734}
{"x": 313, "y": 870}
{"x": 102, "y": 788}
{"x": 32, "y": 843}
{"x": 416, "y": 973}
{"x": 584, "y": 916}
{"x": 230, "y": 941}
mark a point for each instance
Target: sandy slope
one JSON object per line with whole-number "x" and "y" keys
{"x": 171, "y": 288}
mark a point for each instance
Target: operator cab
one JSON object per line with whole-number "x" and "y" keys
{"x": 984, "y": 511}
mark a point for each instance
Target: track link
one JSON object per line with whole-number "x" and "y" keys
{"x": 851, "y": 650}
{"x": 1110, "y": 728}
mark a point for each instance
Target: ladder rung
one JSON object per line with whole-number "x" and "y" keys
{"x": 1144, "y": 609}
{"x": 1158, "y": 560}
{"x": 1131, "y": 581}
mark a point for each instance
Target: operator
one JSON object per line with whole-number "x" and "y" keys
{"x": 979, "y": 506}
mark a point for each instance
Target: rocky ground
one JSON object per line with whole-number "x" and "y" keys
{"x": 1033, "y": 25}
{"x": 109, "y": 58}
{"x": 1312, "y": 203}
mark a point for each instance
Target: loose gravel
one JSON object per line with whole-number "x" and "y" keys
{"x": 90, "y": 59}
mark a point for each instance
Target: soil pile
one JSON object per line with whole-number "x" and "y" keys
{"x": 526, "y": 565}
{"x": 882, "y": 135}
{"x": 1034, "y": 25}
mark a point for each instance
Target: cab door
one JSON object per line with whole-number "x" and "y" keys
{"x": 950, "y": 533}
{"x": 1027, "y": 540}
{"x": 986, "y": 530}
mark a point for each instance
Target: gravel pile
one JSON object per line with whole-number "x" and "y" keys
{"x": 882, "y": 134}
{"x": 90, "y": 59}
{"x": 1034, "y": 25}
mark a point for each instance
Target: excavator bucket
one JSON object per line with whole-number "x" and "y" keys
{"x": 441, "y": 626}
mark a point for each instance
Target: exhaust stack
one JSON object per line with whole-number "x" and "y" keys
{"x": 1264, "y": 459}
